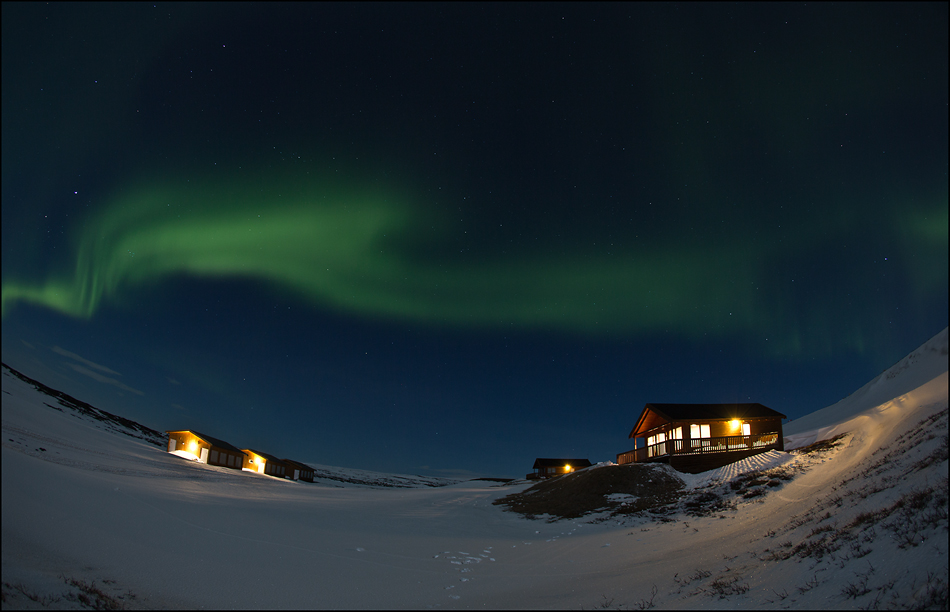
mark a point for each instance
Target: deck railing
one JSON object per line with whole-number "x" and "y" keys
{"x": 697, "y": 446}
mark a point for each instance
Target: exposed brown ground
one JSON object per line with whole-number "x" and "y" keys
{"x": 573, "y": 495}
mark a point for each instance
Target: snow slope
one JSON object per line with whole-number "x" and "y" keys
{"x": 89, "y": 512}
{"x": 918, "y": 368}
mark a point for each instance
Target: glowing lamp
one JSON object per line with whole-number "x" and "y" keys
{"x": 567, "y": 468}
{"x": 192, "y": 446}
{"x": 734, "y": 424}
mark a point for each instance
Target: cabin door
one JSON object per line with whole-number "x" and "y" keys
{"x": 296, "y": 474}
{"x": 260, "y": 467}
{"x": 204, "y": 455}
{"x": 171, "y": 445}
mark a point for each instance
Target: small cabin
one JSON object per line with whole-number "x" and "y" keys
{"x": 262, "y": 463}
{"x": 546, "y": 468}
{"x": 197, "y": 446}
{"x": 298, "y": 471}
{"x": 695, "y": 438}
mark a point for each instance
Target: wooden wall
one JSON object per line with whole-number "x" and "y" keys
{"x": 183, "y": 440}
{"x": 226, "y": 458}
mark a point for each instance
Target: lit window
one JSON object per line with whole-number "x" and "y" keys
{"x": 696, "y": 432}
{"x": 746, "y": 429}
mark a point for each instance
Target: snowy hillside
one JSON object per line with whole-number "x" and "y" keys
{"x": 106, "y": 421}
{"x": 92, "y": 517}
{"x": 918, "y": 368}
{"x": 90, "y": 414}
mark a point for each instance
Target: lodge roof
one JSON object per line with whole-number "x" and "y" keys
{"x": 654, "y": 415}
{"x": 576, "y": 463}
{"x": 264, "y": 455}
{"x": 297, "y": 464}
{"x": 212, "y": 441}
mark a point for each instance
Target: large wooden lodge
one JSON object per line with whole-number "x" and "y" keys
{"x": 694, "y": 438}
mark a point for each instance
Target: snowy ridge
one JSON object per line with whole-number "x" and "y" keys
{"x": 919, "y": 367}
{"x": 90, "y": 414}
{"x": 330, "y": 475}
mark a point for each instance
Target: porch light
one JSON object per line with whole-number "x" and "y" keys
{"x": 567, "y": 468}
{"x": 192, "y": 446}
{"x": 734, "y": 423}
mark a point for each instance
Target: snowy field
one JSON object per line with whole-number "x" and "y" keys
{"x": 95, "y": 518}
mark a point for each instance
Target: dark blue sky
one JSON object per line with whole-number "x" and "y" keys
{"x": 449, "y": 239}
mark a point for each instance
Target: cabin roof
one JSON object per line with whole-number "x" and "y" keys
{"x": 654, "y": 415}
{"x": 576, "y": 463}
{"x": 297, "y": 464}
{"x": 264, "y": 455}
{"x": 212, "y": 441}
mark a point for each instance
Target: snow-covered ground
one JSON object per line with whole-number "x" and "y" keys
{"x": 94, "y": 517}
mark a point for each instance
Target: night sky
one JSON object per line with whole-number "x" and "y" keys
{"x": 449, "y": 238}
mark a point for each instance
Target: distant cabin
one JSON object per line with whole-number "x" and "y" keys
{"x": 262, "y": 463}
{"x": 695, "y": 438}
{"x": 298, "y": 471}
{"x": 198, "y": 446}
{"x": 545, "y": 468}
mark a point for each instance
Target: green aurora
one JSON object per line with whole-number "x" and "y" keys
{"x": 368, "y": 252}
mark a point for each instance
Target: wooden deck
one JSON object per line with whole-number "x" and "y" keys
{"x": 701, "y": 454}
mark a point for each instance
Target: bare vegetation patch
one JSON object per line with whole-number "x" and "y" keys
{"x": 651, "y": 489}
{"x": 11, "y": 592}
{"x": 724, "y": 586}
{"x": 91, "y": 596}
{"x": 821, "y": 445}
{"x": 77, "y": 594}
